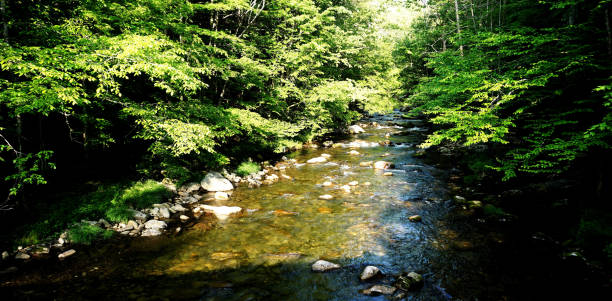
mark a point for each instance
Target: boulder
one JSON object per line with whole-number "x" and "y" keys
{"x": 379, "y": 289}
{"x": 324, "y": 266}
{"x": 355, "y": 129}
{"x": 383, "y": 165}
{"x": 221, "y": 212}
{"x": 317, "y": 160}
{"x": 214, "y": 181}
{"x": 155, "y": 224}
{"x": 221, "y": 196}
{"x": 370, "y": 272}
{"x": 132, "y": 224}
{"x": 66, "y": 254}
{"x": 178, "y": 208}
{"x": 164, "y": 212}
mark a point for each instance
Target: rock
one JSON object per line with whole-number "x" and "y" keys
{"x": 184, "y": 218}
{"x": 9, "y": 270}
{"x": 327, "y": 183}
{"x": 22, "y": 256}
{"x": 355, "y": 129}
{"x": 353, "y": 183}
{"x": 280, "y": 212}
{"x": 151, "y": 232}
{"x": 337, "y": 145}
{"x": 354, "y": 153}
{"x": 379, "y": 289}
{"x": 328, "y": 143}
{"x": 155, "y": 224}
{"x": 221, "y": 212}
{"x": 388, "y": 174}
{"x": 189, "y": 200}
{"x": 164, "y": 212}
{"x": 221, "y": 196}
{"x": 326, "y": 197}
{"x": 5, "y": 255}
{"x": 324, "y": 266}
{"x": 191, "y": 187}
{"x": 383, "y": 165}
{"x": 104, "y": 223}
{"x": 40, "y": 251}
{"x": 286, "y": 177}
{"x": 326, "y": 156}
{"x": 324, "y": 210}
{"x": 214, "y": 181}
{"x": 345, "y": 188}
{"x": 415, "y": 218}
{"x": 365, "y": 163}
{"x": 409, "y": 282}
{"x": 139, "y": 216}
{"x": 132, "y": 224}
{"x": 178, "y": 208}
{"x": 459, "y": 198}
{"x": 66, "y": 254}
{"x": 366, "y": 184}
{"x": 370, "y": 272}
{"x": 317, "y": 160}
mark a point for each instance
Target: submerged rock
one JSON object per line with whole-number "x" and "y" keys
{"x": 66, "y": 254}
{"x": 214, "y": 181}
{"x": 409, "y": 282}
{"x": 324, "y": 266}
{"x": 354, "y": 153}
{"x": 355, "y": 129}
{"x": 326, "y": 156}
{"x": 317, "y": 160}
{"x": 345, "y": 188}
{"x": 370, "y": 272}
{"x": 221, "y": 212}
{"x": 379, "y": 289}
{"x": 221, "y": 196}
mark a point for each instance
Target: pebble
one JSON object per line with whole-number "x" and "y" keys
{"x": 66, "y": 254}
{"x": 326, "y": 197}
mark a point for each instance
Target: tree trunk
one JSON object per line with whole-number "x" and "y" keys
{"x": 607, "y": 16}
{"x": 5, "y": 19}
{"x": 458, "y": 25}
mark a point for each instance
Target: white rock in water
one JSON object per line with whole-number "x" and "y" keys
{"x": 317, "y": 160}
{"x": 326, "y": 197}
{"x": 383, "y": 165}
{"x": 355, "y": 129}
{"x": 324, "y": 266}
{"x": 155, "y": 224}
{"x": 5, "y": 255}
{"x": 151, "y": 232}
{"x": 346, "y": 188}
{"x": 221, "y": 196}
{"x": 22, "y": 256}
{"x": 221, "y": 212}
{"x": 184, "y": 217}
{"x": 164, "y": 212}
{"x": 327, "y": 183}
{"x": 370, "y": 272}
{"x": 66, "y": 254}
{"x": 353, "y": 183}
{"x": 326, "y": 156}
{"x": 354, "y": 153}
{"x": 214, "y": 181}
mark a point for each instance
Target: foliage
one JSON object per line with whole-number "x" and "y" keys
{"x": 246, "y": 168}
{"x": 84, "y": 233}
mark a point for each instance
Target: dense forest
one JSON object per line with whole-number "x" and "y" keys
{"x": 111, "y": 91}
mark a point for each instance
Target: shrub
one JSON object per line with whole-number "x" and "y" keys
{"x": 84, "y": 233}
{"x": 246, "y": 168}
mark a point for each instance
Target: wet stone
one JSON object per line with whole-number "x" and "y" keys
{"x": 184, "y": 218}
{"x": 317, "y": 160}
{"x": 324, "y": 266}
{"x": 326, "y": 197}
{"x": 22, "y": 256}
{"x": 415, "y": 218}
{"x": 379, "y": 289}
{"x": 221, "y": 196}
{"x": 66, "y": 254}
{"x": 410, "y": 281}
{"x": 370, "y": 272}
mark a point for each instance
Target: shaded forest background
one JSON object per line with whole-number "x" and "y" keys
{"x": 151, "y": 89}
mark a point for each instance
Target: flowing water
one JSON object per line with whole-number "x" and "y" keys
{"x": 267, "y": 252}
